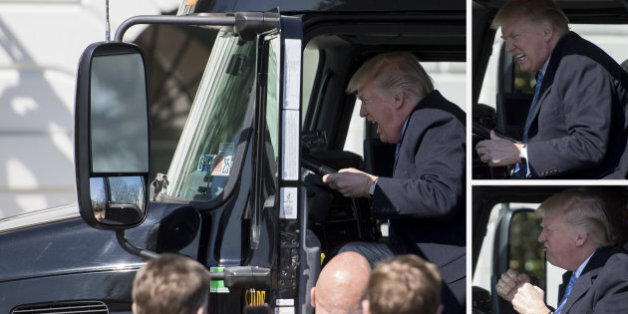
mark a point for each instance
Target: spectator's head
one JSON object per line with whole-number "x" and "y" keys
{"x": 574, "y": 224}
{"x": 171, "y": 284}
{"x": 341, "y": 285}
{"x": 404, "y": 284}
{"x": 531, "y": 30}
{"x": 389, "y": 86}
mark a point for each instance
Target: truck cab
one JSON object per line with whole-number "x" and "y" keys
{"x": 242, "y": 192}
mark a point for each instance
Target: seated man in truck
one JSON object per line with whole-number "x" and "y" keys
{"x": 577, "y": 236}
{"x": 341, "y": 285}
{"x": 424, "y": 198}
{"x": 577, "y": 123}
{"x": 171, "y": 283}
{"x": 404, "y": 284}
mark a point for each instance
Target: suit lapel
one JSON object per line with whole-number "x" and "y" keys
{"x": 548, "y": 78}
{"x": 589, "y": 275}
{"x": 583, "y": 284}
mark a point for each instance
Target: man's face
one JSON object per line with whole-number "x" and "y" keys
{"x": 559, "y": 241}
{"x": 529, "y": 42}
{"x": 379, "y": 108}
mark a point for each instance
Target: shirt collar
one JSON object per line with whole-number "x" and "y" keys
{"x": 584, "y": 264}
{"x": 544, "y": 68}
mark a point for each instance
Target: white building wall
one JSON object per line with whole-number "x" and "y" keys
{"x": 40, "y": 45}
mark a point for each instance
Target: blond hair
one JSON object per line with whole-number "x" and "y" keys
{"x": 535, "y": 11}
{"x": 393, "y": 70}
{"x": 171, "y": 284}
{"x": 404, "y": 284}
{"x": 586, "y": 209}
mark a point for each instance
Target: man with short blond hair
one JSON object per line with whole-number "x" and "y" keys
{"x": 405, "y": 284}
{"x": 424, "y": 198}
{"x": 577, "y": 123}
{"x": 171, "y": 284}
{"x": 576, "y": 236}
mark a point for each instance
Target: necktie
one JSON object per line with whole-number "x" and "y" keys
{"x": 521, "y": 169}
{"x": 396, "y": 155}
{"x": 397, "y": 149}
{"x": 537, "y": 91}
{"x": 572, "y": 282}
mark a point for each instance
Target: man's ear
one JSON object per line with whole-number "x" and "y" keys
{"x": 439, "y": 310}
{"x": 581, "y": 238}
{"x": 399, "y": 97}
{"x": 201, "y": 310}
{"x": 548, "y": 31}
{"x": 313, "y": 297}
{"x": 366, "y": 307}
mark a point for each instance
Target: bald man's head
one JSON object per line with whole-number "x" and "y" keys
{"x": 341, "y": 286}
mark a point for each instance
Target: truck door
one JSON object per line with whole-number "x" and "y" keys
{"x": 237, "y": 166}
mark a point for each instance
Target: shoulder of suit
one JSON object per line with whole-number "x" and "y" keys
{"x": 436, "y": 101}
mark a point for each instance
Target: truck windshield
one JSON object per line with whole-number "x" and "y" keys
{"x": 205, "y": 154}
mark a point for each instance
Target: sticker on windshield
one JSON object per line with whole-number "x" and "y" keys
{"x": 222, "y": 165}
{"x": 205, "y": 163}
{"x": 217, "y": 165}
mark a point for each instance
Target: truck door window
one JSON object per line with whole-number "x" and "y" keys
{"x": 205, "y": 155}
{"x": 484, "y": 266}
{"x": 526, "y": 253}
{"x": 311, "y": 57}
{"x": 272, "y": 93}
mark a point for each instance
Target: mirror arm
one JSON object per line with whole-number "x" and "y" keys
{"x": 169, "y": 19}
{"x": 143, "y": 253}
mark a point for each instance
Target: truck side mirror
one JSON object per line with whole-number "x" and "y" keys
{"x": 111, "y": 136}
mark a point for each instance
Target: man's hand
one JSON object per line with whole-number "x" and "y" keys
{"x": 509, "y": 282}
{"x": 529, "y": 299}
{"x": 498, "y": 151}
{"x": 526, "y": 298}
{"x": 350, "y": 182}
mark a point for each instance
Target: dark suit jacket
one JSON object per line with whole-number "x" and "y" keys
{"x": 580, "y": 127}
{"x": 603, "y": 285}
{"x": 424, "y": 199}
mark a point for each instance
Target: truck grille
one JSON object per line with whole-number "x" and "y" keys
{"x": 75, "y": 307}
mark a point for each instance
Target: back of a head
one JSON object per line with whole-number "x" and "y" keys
{"x": 393, "y": 70}
{"x": 536, "y": 11}
{"x": 172, "y": 284}
{"x": 404, "y": 284}
{"x": 588, "y": 209}
{"x": 341, "y": 285}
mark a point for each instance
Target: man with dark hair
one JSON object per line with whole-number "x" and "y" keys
{"x": 424, "y": 200}
{"x": 171, "y": 284}
{"x": 577, "y": 236}
{"x": 577, "y": 124}
{"x": 404, "y": 284}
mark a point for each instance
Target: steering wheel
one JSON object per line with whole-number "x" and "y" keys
{"x": 316, "y": 166}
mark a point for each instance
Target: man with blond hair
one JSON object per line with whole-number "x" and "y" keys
{"x": 577, "y": 123}
{"x": 424, "y": 200}
{"x": 405, "y": 284}
{"x": 171, "y": 284}
{"x": 577, "y": 236}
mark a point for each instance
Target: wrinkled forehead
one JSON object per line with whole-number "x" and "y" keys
{"x": 371, "y": 88}
{"x": 519, "y": 24}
